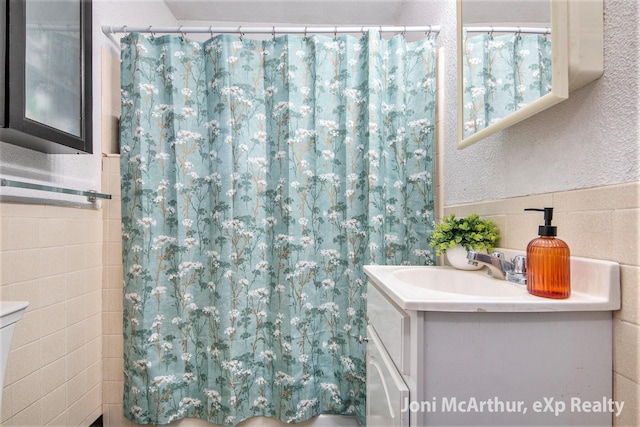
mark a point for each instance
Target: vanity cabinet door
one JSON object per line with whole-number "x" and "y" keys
{"x": 392, "y": 324}
{"x": 387, "y": 394}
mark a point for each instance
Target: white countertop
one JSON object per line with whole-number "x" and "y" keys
{"x": 595, "y": 286}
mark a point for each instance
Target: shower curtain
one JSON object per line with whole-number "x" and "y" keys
{"x": 258, "y": 177}
{"x": 501, "y": 75}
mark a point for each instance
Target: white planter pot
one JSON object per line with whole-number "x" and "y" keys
{"x": 457, "y": 257}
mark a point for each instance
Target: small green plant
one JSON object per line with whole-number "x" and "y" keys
{"x": 472, "y": 232}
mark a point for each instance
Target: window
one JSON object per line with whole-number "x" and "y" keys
{"x": 46, "y": 52}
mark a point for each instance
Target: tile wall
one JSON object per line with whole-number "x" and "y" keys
{"x": 51, "y": 256}
{"x": 112, "y": 297}
{"x": 601, "y": 223}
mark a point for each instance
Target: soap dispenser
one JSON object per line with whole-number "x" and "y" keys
{"x": 548, "y": 270}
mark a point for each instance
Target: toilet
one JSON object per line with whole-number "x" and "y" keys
{"x": 10, "y": 313}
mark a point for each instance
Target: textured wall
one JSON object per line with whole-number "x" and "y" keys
{"x": 587, "y": 141}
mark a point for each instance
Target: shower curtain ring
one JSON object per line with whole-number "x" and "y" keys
{"x": 241, "y": 33}
{"x": 429, "y": 32}
{"x": 211, "y": 31}
{"x": 273, "y": 32}
{"x": 404, "y": 32}
{"x": 363, "y": 33}
{"x": 335, "y": 32}
{"x": 182, "y": 34}
{"x": 153, "y": 35}
{"x": 305, "y": 33}
{"x": 124, "y": 30}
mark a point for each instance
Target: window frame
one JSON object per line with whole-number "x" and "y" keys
{"x": 16, "y": 128}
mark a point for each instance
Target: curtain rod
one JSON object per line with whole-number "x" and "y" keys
{"x": 491, "y": 29}
{"x": 334, "y": 29}
{"x": 109, "y": 30}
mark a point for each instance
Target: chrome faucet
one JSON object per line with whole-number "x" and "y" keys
{"x": 499, "y": 267}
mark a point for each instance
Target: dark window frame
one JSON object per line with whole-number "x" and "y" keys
{"x": 3, "y": 62}
{"x": 17, "y": 129}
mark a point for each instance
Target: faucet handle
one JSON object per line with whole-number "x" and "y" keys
{"x": 519, "y": 272}
{"x": 519, "y": 264}
{"x": 497, "y": 254}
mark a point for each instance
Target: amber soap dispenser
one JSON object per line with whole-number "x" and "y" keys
{"x": 548, "y": 266}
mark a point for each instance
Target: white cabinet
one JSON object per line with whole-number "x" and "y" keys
{"x": 386, "y": 391}
{"x": 487, "y": 368}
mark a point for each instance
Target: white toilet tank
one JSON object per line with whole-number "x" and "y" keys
{"x": 10, "y": 313}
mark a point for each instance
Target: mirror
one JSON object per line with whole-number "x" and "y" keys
{"x": 517, "y": 58}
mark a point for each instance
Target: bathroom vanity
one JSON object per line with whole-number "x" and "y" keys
{"x": 451, "y": 347}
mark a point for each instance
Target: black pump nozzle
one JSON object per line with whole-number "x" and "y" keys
{"x": 547, "y": 229}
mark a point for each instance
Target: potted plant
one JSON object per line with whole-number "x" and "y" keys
{"x": 455, "y": 236}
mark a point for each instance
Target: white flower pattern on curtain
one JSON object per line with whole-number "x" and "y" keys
{"x": 258, "y": 177}
{"x": 501, "y": 75}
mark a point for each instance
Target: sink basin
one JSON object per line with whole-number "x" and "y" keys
{"x": 595, "y": 286}
{"x": 458, "y": 282}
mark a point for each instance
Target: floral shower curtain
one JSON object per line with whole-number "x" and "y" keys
{"x": 258, "y": 177}
{"x": 502, "y": 74}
